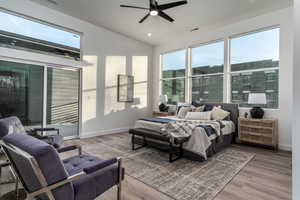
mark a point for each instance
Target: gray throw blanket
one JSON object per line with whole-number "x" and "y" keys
{"x": 184, "y": 128}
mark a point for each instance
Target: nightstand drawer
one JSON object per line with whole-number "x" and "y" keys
{"x": 255, "y": 138}
{"x": 258, "y": 123}
{"x": 256, "y": 129}
{"x": 259, "y": 131}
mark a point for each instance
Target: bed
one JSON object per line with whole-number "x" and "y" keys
{"x": 200, "y": 146}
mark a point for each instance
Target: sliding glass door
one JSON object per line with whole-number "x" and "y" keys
{"x": 41, "y": 96}
{"x": 21, "y": 92}
{"x": 63, "y": 100}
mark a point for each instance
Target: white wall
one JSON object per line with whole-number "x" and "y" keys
{"x": 106, "y": 54}
{"x": 282, "y": 18}
{"x": 296, "y": 104}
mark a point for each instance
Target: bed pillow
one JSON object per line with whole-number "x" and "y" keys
{"x": 199, "y": 109}
{"x": 208, "y": 107}
{"x": 198, "y": 115}
{"x": 183, "y": 111}
{"x": 197, "y": 104}
{"x": 181, "y": 105}
{"x": 219, "y": 114}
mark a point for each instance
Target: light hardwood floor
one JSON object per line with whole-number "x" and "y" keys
{"x": 266, "y": 177}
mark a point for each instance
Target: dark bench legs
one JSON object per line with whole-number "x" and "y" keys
{"x": 172, "y": 151}
{"x": 139, "y": 147}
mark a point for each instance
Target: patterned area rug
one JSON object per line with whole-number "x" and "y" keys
{"x": 181, "y": 180}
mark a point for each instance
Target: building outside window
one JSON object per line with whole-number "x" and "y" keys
{"x": 173, "y": 76}
{"x": 207, "y": 62}
{"x": 19, "y": 32}
{"x": 255, "y": 67}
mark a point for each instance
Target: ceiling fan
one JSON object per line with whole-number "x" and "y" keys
{"x": 156, "y": 9}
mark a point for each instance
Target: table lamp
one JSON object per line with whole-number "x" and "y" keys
{"x": 162, "y": 107}
{"x": 257, "y": 99}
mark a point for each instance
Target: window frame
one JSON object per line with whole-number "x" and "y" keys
{"x": 46, "y": 66}
{"x": 227, "y": 97}
{"x": 253, "y": 70}
{"x": 190, "y": 68}
{"x": 161, "y": 79}
{"x": 46, "y": 43}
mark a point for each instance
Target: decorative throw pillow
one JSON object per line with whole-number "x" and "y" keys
{"x": 198, "y": 109}
{"x": 198, "y": 115}
{"x": 183, "y": 111}
{"x": 219, "y": 114}
{"x": 181, "y": 105}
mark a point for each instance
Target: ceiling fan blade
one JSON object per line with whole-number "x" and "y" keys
{"x": 136, "y": 7}
{"x": 171, "y": 5}
{"x": 165, "y": 16}
{"x": 144, "y": 18}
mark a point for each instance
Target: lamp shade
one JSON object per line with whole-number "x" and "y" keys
{"x": 257, "y": 98}
{"x": 163, "y": 98}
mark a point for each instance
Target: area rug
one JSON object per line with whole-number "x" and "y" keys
{"x": 181, "y": 180}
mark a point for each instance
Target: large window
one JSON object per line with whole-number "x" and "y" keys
{"x": 207, "y": 72}
{"x": 173, "y": 76}
{"x": 22, "y": 33}
{"x": 216, "y": 72}
{"x": 63, "y": 99}
{"x": 22, "y": 92}
{"x": 255, "y": 66}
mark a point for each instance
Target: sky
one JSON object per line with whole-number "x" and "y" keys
{"x": 22, "y": 26}
{"x": 253, "y": 47}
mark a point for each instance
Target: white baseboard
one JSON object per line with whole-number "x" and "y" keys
{"x": 103, "y": 132}
{"x": 285, "y": 147}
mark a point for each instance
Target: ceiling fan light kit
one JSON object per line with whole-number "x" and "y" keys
{"x": 157, "y": 10}
{"x": 153, "y": 12}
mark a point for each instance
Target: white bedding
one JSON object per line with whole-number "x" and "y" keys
{"x": 198, "y": 142}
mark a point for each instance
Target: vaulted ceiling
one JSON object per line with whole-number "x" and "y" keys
{"x": 197, "y": 13}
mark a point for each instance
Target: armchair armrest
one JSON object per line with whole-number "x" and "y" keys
{"x": 70, "y": 148}
{"x": 35, "y": 130}
{"x": 47, "y": 189}
{"x": 99, "y": 166}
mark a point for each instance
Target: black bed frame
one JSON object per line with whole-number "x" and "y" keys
{"x": 151, "y": 138}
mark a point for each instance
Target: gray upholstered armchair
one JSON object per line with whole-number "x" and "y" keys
{"x": 44, "y": 176}
{"x": 13, "y": 125}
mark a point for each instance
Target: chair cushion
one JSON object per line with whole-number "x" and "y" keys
{"x": 94, "y": 184}
{"x": 48, "y": 161}
{"x": 75, "y": 164}
{"x": 10, "y": 125}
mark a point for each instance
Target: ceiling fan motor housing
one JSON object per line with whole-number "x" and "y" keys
{"x": 156, "y": 9}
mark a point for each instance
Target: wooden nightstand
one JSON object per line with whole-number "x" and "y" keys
{"x": 161, "y": 114}
{"x": 259, "y": 131}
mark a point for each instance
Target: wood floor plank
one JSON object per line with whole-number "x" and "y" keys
{"x": 266, "y": 177}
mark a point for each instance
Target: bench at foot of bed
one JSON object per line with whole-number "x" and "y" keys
{"x": 153, "y": 135}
